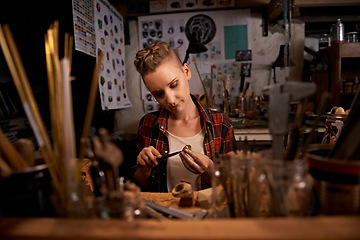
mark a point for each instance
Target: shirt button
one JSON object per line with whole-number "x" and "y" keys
{"x": 162, "y": 127}
{"x": 166, "y": 151}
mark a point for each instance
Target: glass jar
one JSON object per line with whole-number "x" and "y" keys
{"x": 288, "y": 186}
{"x": 235, "y": 186}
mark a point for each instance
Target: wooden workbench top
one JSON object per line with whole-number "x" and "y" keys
{"x": 270, "y": 228}
{"x": 324, "y": 227}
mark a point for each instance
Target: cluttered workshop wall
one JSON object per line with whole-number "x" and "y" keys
{"x": 264, "y": 51}
{"x": 222, "y": 32}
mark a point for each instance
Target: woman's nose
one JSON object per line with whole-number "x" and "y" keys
{"x": 170, "y": 98}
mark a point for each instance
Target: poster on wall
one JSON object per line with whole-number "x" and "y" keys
{"x": 84, "y": 32}
{"x": 223, "y": 33}
{"x": 109, "y": 32}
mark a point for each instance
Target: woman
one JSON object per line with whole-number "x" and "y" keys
{"x": 182, "y": 121}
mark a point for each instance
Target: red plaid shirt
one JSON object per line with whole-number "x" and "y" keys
{"x": 219, "y": 138}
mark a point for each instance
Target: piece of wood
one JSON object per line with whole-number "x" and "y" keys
{"x": 90, "y": 107}
{"x": 26, "y": 149}
{"x": 204, "y": 197}
{"x": 55, "y": 128}
{"x": 5, "y": 169}
{"x": 23, "y": 87}
{"x": 12, "y": 157}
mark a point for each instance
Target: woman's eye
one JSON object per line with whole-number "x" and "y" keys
{"x": 158, "y": 94}
{"x": 174, "y": 84}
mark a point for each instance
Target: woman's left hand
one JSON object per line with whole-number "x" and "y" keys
{"x": 196, "y": 162}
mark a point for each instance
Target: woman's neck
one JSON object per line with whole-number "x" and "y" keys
{"x": 190, "y": 112}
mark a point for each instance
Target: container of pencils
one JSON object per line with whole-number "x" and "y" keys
{"x": 336, "y": 181}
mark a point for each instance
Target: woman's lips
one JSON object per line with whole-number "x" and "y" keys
{"x": 175, "y": 106}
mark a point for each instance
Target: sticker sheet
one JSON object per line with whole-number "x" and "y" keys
{"x": 84, "y": 32}
{"x": 109, "y": 28}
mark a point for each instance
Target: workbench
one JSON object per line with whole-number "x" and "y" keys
{"x": 321, "y": 227}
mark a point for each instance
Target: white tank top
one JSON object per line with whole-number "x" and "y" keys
{"x": 176, "y": 170}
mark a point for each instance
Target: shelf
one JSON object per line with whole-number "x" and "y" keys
{"x": 344, "y": 59}
{"x": 348, "y": 50}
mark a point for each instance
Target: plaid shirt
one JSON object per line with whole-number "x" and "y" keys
{"x": 219, "y": 137}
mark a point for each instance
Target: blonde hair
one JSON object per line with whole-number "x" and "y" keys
{"x": 152, "y": 56}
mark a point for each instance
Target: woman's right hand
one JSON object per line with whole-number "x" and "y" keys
{"x": 147, "y": 157}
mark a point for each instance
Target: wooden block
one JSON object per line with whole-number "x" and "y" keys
{"x": 204, "y": 198}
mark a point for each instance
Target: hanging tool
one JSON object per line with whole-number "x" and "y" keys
{"x": 280, "y": 97}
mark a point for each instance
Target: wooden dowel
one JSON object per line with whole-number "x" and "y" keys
{"x": 11, "y": 65}
{"x": 58, "y": 90}
{"x": 24, "y": 82}
{"x": 5, "y": 169}
{"x": 52, "y": 101}
{"x": 56, "y": 37}
{"x": 12, "y": 157}
{"x": 211, "y": 86}
{"x": 58, "y": 97}
{"x": 203, "y": 85}
{"x": 71, "y": 39}
{"x": 90, "y": 107}
{"x": 72, "y": 173}
{"x": 27, "y": 98}
{"x": 66, "y": 45}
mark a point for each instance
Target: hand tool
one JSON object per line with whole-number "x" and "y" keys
{"x": 167, "y": 156}
{"x": 174, "y": 212}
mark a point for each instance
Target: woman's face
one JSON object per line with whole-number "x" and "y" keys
{"x": 169, "y": 85}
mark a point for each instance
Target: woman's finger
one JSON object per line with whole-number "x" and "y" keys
{"x": 189, "y": 163}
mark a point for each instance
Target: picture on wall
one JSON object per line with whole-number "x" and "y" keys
{"x": 109, "y": 28}
{"x": 84, "y": 31}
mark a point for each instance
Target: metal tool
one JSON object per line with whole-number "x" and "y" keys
{"x": 280, "y": 97}
{"x": 167, "y": 156}
{"x": 174, "y": 212}
{"x": 161, "y": 158}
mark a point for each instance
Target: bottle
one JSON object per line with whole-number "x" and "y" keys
{"x": 337, "y": 31}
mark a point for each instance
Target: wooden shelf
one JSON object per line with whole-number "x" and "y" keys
{"x": 344, "y": 58}
{"x": 348, "y": 50}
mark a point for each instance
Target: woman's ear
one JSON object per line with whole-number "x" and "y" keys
{"x": 187, "y": 71}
